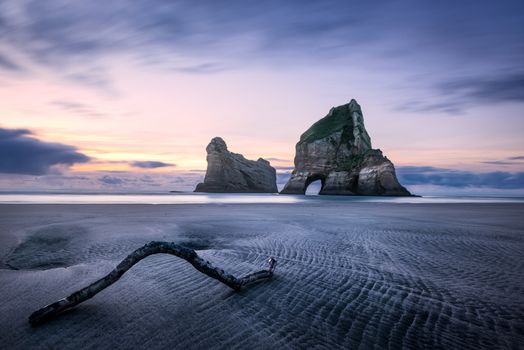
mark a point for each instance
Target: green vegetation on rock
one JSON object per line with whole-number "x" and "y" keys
{"x": 339, "y": 118}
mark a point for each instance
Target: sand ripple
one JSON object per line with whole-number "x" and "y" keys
{"x": 345, "y": 280}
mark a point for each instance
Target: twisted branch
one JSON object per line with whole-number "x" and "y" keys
{"x": 52, "y": 310}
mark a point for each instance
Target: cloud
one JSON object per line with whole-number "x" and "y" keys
{"x": 401, "y": 42}
{"x": 413, "y": 175}
{"x": 111, "y": 180}
{"x": 92, "y": 76}
{"x": 20, "y": 153}
{"x": 151, "y": 164}
{"x": 9, "y": 65}
{"x": 147, "y": 179}
{"x": 101, "y": 182}
{"x": 55, "y": 34}
{"x": 202, "y": 68}
{"x": 214, "y": 36}
{"x": 273, "y": 159}
{"x": 457, "y": 94}
{"x": 499, "y": 162}
{"x": 507, "y": 161}
{"x": 286, "y": 168}
{"x": 448, "y": 106}
{"x": 78, "y": 108}
{"x": 500, "y": 88}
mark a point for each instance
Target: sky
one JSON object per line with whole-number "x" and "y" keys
{"x": 125, "y": 95}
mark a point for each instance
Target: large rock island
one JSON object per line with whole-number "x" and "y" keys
{"x": 337, "y": 151}
{"x": 232, "y": 173}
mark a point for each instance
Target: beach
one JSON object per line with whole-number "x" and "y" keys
{"x": 358, "y": 275}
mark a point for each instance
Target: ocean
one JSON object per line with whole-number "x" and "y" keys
{"x": 226, "y": 198}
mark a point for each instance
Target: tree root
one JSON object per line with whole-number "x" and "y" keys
{"x": 52, "y": 310}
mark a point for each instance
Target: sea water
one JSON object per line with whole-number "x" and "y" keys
{"x": 229, "y": 198}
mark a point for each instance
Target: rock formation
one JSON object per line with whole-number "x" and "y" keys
{"x": 337, "y": 150}
{"x": 231, "y": 172}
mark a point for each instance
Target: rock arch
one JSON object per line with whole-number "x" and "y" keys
{"x": 312, "y": 178}
{"x": 337, "y": 149}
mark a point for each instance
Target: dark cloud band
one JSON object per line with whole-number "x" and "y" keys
{"x": 22, "y": 154}
{"x": 425, "y": 175}
{"x": 151, "y": 164}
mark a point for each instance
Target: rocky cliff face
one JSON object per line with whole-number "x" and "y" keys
{"x": 231, "y": 172}
{"x": 337, "y": 150}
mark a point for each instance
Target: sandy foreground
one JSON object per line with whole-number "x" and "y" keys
{"x": 349, "y": 275}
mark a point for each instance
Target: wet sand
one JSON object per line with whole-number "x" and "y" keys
{"x": 349, "y": 275}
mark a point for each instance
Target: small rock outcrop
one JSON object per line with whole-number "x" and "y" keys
{"x": 337, "y": 151}
{"x": 229, "y": 172}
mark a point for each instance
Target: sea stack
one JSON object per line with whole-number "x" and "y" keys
{"x": 337, "y": 151}
{"x": 229, "y": 172}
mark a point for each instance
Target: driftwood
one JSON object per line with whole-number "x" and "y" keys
{"x": 52, "y": 310}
